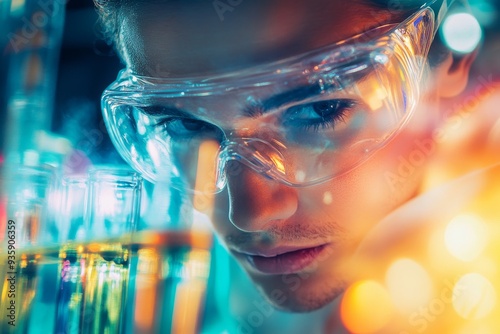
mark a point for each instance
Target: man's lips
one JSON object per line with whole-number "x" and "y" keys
{"x": 283, "y": 260}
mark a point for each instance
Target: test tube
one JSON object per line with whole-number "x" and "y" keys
{"x": 113, "y": 211}
{"x": 26, "y": 232}
{"x": 114, "y": 200}
{"x": 72, "y": 253}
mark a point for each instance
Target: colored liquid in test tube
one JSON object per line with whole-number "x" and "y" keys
{"x": 27, "y": 195}
{"x": 113, "y": 209}
{"x": 72, "y": 274}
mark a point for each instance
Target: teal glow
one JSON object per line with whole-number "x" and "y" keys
{"x": 461, "y": 32}
{"x": 484, "y": 11}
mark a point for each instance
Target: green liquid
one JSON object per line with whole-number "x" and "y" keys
{"x": 155, "y": 284}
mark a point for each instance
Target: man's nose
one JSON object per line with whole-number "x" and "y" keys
{"x": 256, "y": 201}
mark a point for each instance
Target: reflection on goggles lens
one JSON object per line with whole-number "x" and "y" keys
{"x": 322, "y": 116}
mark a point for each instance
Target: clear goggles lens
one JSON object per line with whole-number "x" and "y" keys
{"x": 300, "y": 122}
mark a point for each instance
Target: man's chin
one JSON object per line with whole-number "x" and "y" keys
{"x": 294, "y": 293}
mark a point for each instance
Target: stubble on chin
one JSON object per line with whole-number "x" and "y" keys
{"x": 315, "y": 301}
{"x": 305, "y": 295}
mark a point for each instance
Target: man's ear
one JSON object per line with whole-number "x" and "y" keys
{"x": 452, "y": 74}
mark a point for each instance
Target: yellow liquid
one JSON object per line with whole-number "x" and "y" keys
{"x": 155, "y": 283}
{"x": 20, "y": 293}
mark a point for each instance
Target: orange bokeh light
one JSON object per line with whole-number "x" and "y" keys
{"x": 366, "y": 307}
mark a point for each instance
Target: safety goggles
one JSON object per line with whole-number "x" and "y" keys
{"x": 301, "y": 121}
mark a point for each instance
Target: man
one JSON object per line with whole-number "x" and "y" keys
{"x": 306, "y": 140}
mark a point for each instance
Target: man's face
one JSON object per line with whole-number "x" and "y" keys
{"x": 293, "y": 242}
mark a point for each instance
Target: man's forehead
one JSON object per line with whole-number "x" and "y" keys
{"x": 177, "y": 38}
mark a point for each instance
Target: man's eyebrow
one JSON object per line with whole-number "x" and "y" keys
{"x": 258, "y": 108}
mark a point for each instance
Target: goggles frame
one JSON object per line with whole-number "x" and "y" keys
{"x": 134, "y": 88}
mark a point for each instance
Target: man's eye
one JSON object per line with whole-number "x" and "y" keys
{"x": 316, "y": 115}
{"x": 186, "y": 128}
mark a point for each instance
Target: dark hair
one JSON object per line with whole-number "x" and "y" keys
{"x": 109, "y": 19}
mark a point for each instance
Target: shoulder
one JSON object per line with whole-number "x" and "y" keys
{"x": 415, "y": 229}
